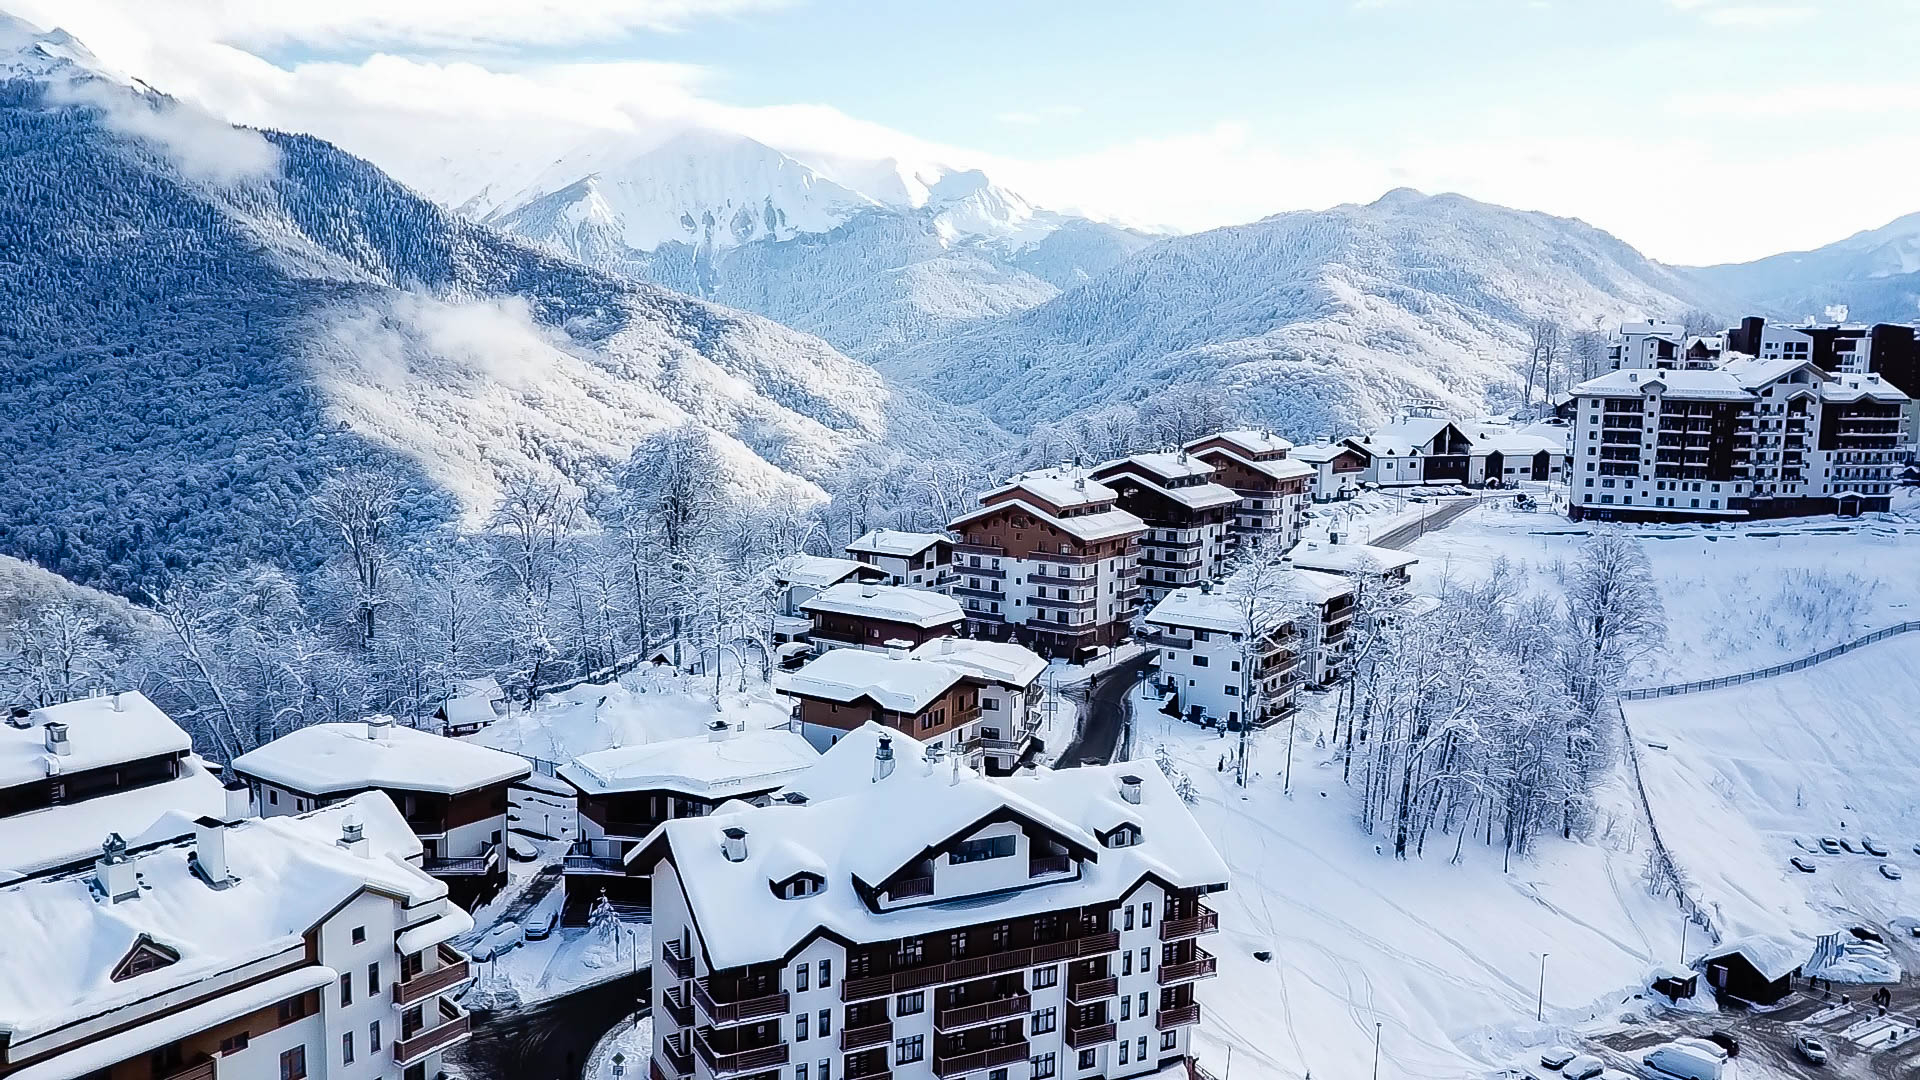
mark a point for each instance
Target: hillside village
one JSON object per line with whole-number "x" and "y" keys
{"x": 839, "y": 840}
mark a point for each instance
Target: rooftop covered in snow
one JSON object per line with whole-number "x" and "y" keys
{"x": 1086, "y": 527}
{"x": 1064, "y": 486}
{"x": 896, "y": 543}
{"x": 703, "y": 766}
{"x": 820, "y": 571}
{"x": 997, "y": 661}
{"x": 896, "y": 683}
{"x": 100, "y": 731}
{"x": 58, "y": 834}
{"x": 886, "y": 603}
{"x": 328, "y": 759}
{"x": 1350, "y": 558}
{"x": 1248, "y": 440}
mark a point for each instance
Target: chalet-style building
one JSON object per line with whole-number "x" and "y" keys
{"x": 1338, "y": 469}
{"x": 1211, "y": 668}
{"x": 1049, "y": 560}
{"x": 1272, "y": 486}
{"x": 934, "y": 702}
{"x": 1351, "y": 560}
{"x": 1500, "y": 455}
{"x": 452, "y": 793}
{"x": 908, "y": 919}
{"x": 802, "y": 577}
{"x": 624, "y": 792}
{"x": 1422, "y": 447}
{"x": 309, "y": 947}
{"x": 918, "y": 559}
{"x": 1185, "y": 512}
{"x": 72, "y": 773}
{"x": 1752, "y": 438}
{"x": 868, "y": 616}
{"x": 1889, "y": 350}
{"x": 478, "y": 703}
{"x": 1009, "y": 679}
{"x": 1663, "y": 345}
{"x": 1333, "y": 599}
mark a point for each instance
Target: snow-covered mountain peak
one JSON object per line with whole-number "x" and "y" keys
{"x": 28, "y": 52}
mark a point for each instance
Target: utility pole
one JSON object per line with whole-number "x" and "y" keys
{"x": 1683, "y": 941}
{"x": 1540, "y": 1001}
{"x": 1376, "y": 1050}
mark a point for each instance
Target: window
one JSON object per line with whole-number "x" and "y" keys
{"x": 908, "y": 1004}
{"x": 1126, "y": 1004}
{"x": 295, "y": 1008}
{"x": 1045, "y": 977}
{"x": 373, "y": 980}
{"x": 233, "y": 1044}
{"x": 1044, "y": 1021}
{"x": 1123, "y": 1048}
{"x": 826, "y": 1069}
{"x": 979, "y": 849}
{"x": 800, "y": 1027}
{"x": 800, "y": 972}
{"x": 826, "y": 979}
{"x": 346, "y": 1048}
{"x": 1146, "y": 961}
{"x": 346, "y": 990}
{"x": 1089, "y": 1058}
{"x": 909, "y": 1049}
{"x": 373, "y": 1037}
{"x": 293, "y": 1064}
{"x": 1142, "y": 1052}
{"x": 800, "y": 1071}
{"x": 1143, "y": 996}
{"x": 273, "y": 797}
{"x": 1169, "y": 1039}
{"x": 1146, "y": 914}
{"x": 1199, "y": 661}
{"x": 1043, "y": 1067}
{"x": 1126, "y": 921}
{"x": 997, "y": 1074}
{"x": 825, "y": 1023}
{"x": 359, "y": 935}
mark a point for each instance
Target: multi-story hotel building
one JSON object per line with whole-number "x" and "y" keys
{"x": 1212, "y": 669}
{"x": 1751, "y": 438}
{"x": 1272, "y": 486}
{"x": 900, "y": 917}
{"x": 922, "y": 560}
{"x": 865, "y": 615}
{"x": 1185, "y": 512}
{"x": 309, "y": 947}
{"x": 1049, "y": 560}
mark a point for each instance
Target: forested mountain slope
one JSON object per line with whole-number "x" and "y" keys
{"x": 1875, "y": 273}
{"x": 198, "y": 323}
{"x": 1314, "y": 321}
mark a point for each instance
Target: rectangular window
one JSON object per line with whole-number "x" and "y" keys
{"x": 346, "y": 990}
{"x": 373, "y": 1036}
{"x": 1126, "y": 1008}
{"x": 979, "y": 850}
{"x": 373, "y": 980}
{"x": 1126, "y": 965}
{"x": 1146, "y": 914}
{"x": 800, "y": 1027}
{"x": 1089, "y": 1058}
{"x": 1169, "y": 1039}
{"x": 346, "y": 1048}
{"x": 1126, "y": 920}
{"x": 800, "y": 973}
{"x": 1043, "y": 1067}
{"x": 826, "y": 1069}
{"x": 233, "y": 1044}
{"x": 1044, "y": 1021}
{"x": 1123, "y": 1050}
{"x": 1141, "y": 1053}
{"x": 800, "y": 1071}
{"x": 1045, "y": 977}
{"x": 908, "y": 1004}
{"x": 293, "y": 1064}
{"x": 1146, "y": 961}
{"x": 1143, "y": 1003}
{"x": 826, "y": 979}
{"x": 825, "y": 1023}
{"x": 359, "y": 935}
{"x": 910, "y": 1049}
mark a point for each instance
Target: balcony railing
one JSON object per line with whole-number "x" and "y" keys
{"x": 859, "y": 1038}
{"x": 1087, "y": 991}
{"x": 679, "y": 1010}
{"x": 1048, "y": 864}
{"x": 680, "y": 966}
{"x": 200, "y": 1069}
{"x": 741, "y": 1062}
{"x": 723, "y": 1013}
{"x": 861, "y": 1070}
{"x": 1178, "y": 1016}
{"x": 679, "y": 1054}
{"x": 454, "y": 1027}
{"x": 959, "y": 1064}
{"x": 1206, "y": 921}
{"x": 1203, "y": 965}
{"x": 1082, "y": 1037}
{"x": 466, "y": 865}
{"x": 594, "y": 864}
{"x": 453, "y": 970}
{"x": 982, "y": 742}
{"x": 974, "y": 967}
{"x": 966, "y": 1016}
{"x": 910, "y": 887}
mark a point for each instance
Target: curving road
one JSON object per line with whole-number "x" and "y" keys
{"x": 1103, "y": 716}
{"x": 550, "y": 1040}
{"x": 1437, "y": 518}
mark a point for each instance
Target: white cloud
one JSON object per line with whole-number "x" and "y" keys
{"x": 1046, "y": 114}
{"x": 200, "y": 145}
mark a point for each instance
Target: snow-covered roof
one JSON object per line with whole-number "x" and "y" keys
{"x": 1086, "y": 528}
{"x": 473, "y": 704}
{"x": 64, "y": 940}
{"x": 896, "y": 543}
{"x": 1063, "y": 487}
{"x": 1349, "y": 558}
{"x": 58, "y": 834}
{"x": 1279, "y": 468}
{"x": 1152, "y": 471}
{"x": 887, "y": 603}
{"x": 1753, "y": 374}
{"x": 1488, "y": 440}
{"x": 1319, "y": 453}
{"x": 1774, "y": 958}
{"x": 1657, "y": 329}
{"x": 747, "y": 761}
{"x": 1248, "y": 440}
{"x": 818, "y": 571}
{"x": 105, "y": 730}
{"x": 1318, "y": 587}
{"x": 1201, "y": 609}
{"x": 328, "y": 758}
{"x": 998, "y": 661}
{"x": 869, "y": 831}
{"x": 847, "y": 765}
{"x": 1403, "y": 436}
{"x": 1174, "y": 465}
{"x": 1847, "y": 388}
{"x": 1696, "y": 385}
{"x": 897, "y": 683}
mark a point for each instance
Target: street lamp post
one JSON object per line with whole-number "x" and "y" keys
{"x": 1376, "y": 1050}
{"x": 1540, "y": 1000}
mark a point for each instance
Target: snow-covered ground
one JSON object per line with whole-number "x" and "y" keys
{"x": 632, "y": 1039}
{"x": 642, "y": 706}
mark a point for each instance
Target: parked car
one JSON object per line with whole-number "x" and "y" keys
{"x": 1801, "y": 865}
{"x": 1684, "y": 1061}
{"x": 1889, "y": 871}
{"x": 1556, "y": 1057}
{"x": 1874, "y": 847}
{"x": 1584, "y": 1067}
{"x": 1830, "y": 845}
{"x": 1847, "y": 845}
{"x": 1812, "y": 1049}
{"x": 1725, "y": 1041}
{"x": 1461, "y": 489}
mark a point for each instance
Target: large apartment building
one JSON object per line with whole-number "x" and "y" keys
{"x": 1050, "y": 560}
{"x": 1750, "y": 438}
{"x": 1185, "y": 513}
{"x": 899, "y": 917}
{"x": 1212, "y": 669}
{"x": 309, "y": 947}
{"x": 1889, "y": 350}
{"x": 1273, "y": 487}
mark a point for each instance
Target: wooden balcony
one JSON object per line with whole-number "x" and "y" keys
{"x": 677, "y": 1057}
{"x": 1083, "y": 1037}
{"x": 742, "y": 1062}
{"x": 1049, "y": 864}
{"x": 679, "y": 1009}
{"x": 859, "y": 1038}
{"x": 966, "y": 1016}
{"x": 973, "y": 967}
{"x": 1205, "y": 922}
{"x": 1202, "y": 966}
{"x": 200, "y": 1069}
{"x": 463, "y": 866}
{"x": 680, "y": 966}
{"x": 453, "y": 970}
{"x": 908, "y": 888}
{"x": 1178, "y": 1016}
{"x": 454, "y": 1027}
{"x": 727, "y": 1013}
{"x": 960, "y": 1064}
{"x": 1087, "y": 991}
{"x": 858, "y": 1068}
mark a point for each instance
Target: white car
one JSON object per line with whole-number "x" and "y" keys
{"x": 1556, "y": 1057}
{"x": 1584, "y": 1067}
{"x": 1889, "y": 871}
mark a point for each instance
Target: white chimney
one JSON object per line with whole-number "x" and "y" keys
{"x": 57, "y": 740}
{"x": 869, "y": 589}
{"x": 210, "y": 851}
{"x": 353, "y": 837}
{"x": 733, "y": 844}
{"x": 378, "y": 727}
{"x": 718, "y": 731}
{"x": 933, "y": 756}
{"x": 118, "y": 706}
{"x": 239, "y": 798}
{"x": 113, "y": 871}
{"x": 883, "y": 759}
{"x": 1130, "y": 789}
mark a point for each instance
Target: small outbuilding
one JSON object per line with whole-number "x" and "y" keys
{"x": 1759, "y": 971}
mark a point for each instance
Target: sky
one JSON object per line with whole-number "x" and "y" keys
{"x": 1697, "y": 130}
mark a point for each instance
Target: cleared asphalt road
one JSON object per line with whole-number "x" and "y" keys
{"x": 551, "y": 1040}
{"x": 1103, "y": 716}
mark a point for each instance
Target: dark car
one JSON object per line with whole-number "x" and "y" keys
{"x": 1725, "y": 1041}
{"x": 1874, "y": 847}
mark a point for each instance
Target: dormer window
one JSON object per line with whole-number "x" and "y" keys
{"x": 1124, "y": 836}
{"x": 799, "y": 886}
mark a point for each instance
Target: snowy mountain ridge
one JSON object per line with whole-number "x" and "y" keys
{"x": 1875, "y": 273}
